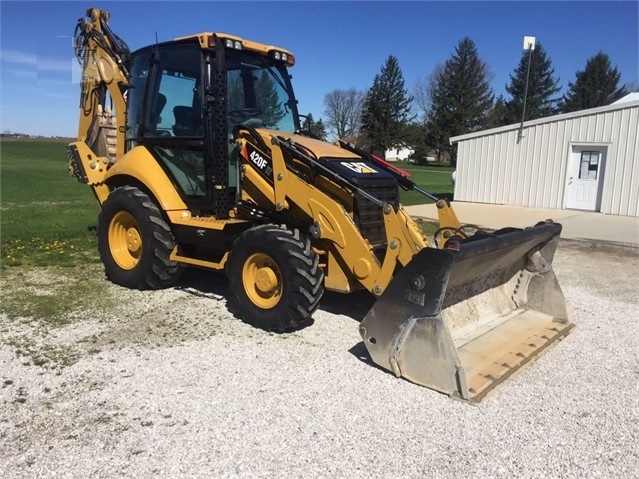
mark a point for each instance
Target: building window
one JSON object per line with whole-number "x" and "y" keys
{"x": 589, "y": 165}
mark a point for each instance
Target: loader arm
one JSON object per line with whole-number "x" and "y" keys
{"x": 331, "y": 223}
{"x": 461, "y": 318}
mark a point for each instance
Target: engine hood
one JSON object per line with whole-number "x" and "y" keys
{"x": 321, "y": 149}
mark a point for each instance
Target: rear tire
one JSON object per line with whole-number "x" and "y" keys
{"x": 275, "y": 277}
{"x": 135, "y": 242}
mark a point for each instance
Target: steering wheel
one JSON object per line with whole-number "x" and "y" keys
{"x": 243, "y": 114}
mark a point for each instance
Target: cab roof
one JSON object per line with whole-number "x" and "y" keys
{"x": 207, "y": 40}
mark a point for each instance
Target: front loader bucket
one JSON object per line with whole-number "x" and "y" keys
{"x": 461, "y": 322}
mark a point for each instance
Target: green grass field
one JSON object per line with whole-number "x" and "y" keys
{"x": 48, "y": 218}
{"x": 434, "y": 179}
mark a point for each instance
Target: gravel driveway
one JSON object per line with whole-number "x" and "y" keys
{"x": 125, "y": 383}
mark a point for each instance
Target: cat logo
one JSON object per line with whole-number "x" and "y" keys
{"x": 359, "y": 167}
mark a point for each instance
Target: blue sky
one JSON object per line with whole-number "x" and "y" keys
{"x": 338, "y": 45}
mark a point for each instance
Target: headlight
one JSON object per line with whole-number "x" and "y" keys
{"x": 233, "y": 44}
{"x": 282, "y": 57}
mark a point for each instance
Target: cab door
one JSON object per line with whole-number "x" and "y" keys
{"x": 165, "y": 116}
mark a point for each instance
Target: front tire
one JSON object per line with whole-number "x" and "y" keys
{"x": 135, "y": 242}
{"x": 275, "y": 277}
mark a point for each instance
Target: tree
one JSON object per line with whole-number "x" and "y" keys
{"x": 343, "y": 111}
{"x": 386, "y": 109}
{"x": 268, "y": 100}
{"x": 498, "y": 116}
{"x": 415, "y": 136}
{"x": 424, "y": 88}
{"x": 632, "y": 86}
{"x": 312, "y": 128}
{"x": 541, "y": 87}
{"x": 460, "y": 97}
{"x": 597, "y": 85}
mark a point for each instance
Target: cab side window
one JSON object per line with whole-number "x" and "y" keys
{"x": 175, "y": 103}
{"x": 135, "y": 99}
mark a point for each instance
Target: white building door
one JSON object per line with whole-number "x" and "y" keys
{"x": 585, "y": 177}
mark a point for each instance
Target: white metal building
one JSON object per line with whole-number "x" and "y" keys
{"x": 586, "y": 160}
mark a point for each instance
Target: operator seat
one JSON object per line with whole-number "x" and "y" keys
{"x": 160, "y": 103}
{"x": 184, "y": 124}
{"x": 155, "y": 116}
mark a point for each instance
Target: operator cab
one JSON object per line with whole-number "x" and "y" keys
{"x": 187, "y": 97}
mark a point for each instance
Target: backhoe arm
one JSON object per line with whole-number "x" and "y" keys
{"x": 102, "y": 57}
{"x": 105, "y": 76}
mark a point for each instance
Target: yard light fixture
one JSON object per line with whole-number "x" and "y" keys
{"x": 529, "y": 44}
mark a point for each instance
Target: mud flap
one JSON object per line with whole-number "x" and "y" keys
{"x": 461, "y": 322}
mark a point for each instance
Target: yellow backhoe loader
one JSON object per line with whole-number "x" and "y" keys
{"x": 193, "y": 149}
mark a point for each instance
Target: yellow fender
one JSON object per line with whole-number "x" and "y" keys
{"x": 140, "y": 164}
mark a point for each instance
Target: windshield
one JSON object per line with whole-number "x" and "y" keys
{"x": 259, "y": 93}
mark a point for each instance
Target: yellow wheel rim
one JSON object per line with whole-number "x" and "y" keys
{"x": 262, "y": 280}
{"x": 125, "y": 240}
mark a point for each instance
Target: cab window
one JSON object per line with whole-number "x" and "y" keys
{"x": 175, "y": 106}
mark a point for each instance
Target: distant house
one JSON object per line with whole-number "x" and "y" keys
{"x": 585, "y": 160}
{"x": 400, "y": 153}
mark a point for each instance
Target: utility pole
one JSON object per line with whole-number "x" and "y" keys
{"x": 529, "y": 44}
